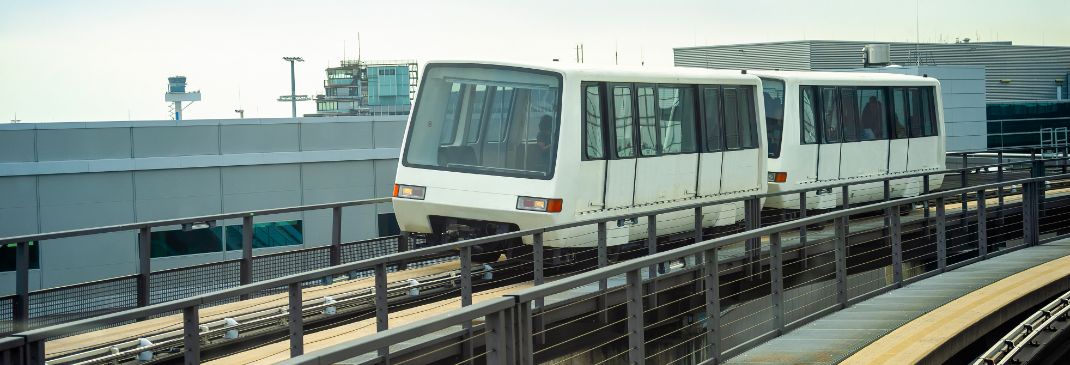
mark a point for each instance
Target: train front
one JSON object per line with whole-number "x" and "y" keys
{"x": 479, "y": 153}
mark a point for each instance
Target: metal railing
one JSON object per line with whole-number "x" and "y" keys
{"x": 635, "y": 319}
{"x": 29, "y": 345}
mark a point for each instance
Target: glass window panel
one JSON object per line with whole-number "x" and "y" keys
{"x": 453, "y": 110}
{"x": 731, "y": 118}
{"x": 592, "y": 118}
{"x": 712, "y": 118}
{"x": 8, "y": 252}
{"x": 500, "y": 108}
{"x": 676, "y": 115}
{"x": 622, "y": 121}
{"x": 267, "y": 234}
{"x": 899, "y": 115}
{"x": 871, "y": 123}
{"x": 849, "y": 114}
{"x": 915, "y": 115}
{"x": 773, "y": 98}
{"x": 648, "y": 128}
{"x": 830, "y": 116}
{"x": 928, "y": 111}
{"x": 181, "y": 242}
{"x": 475, "y": 113}
{"x": 807, "y": 115}
{"x": 748, "y": 127}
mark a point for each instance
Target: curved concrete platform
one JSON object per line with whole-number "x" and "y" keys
{"x": 929, "y": 320}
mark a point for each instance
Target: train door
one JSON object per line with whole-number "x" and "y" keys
{"x": 924, "y": 152}
{"x": 709, "y": 163}
{"x": 620, "y": 168}
{"x": 828, "y": 159}
{"x": 742, "y": 156}
{"x": 667, "y": 166}
{"x": 809, "y": 135}
{"x": 592, "y": 168}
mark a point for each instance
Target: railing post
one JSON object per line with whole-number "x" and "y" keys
{"x": 888, "y": 196}
{"x": 841, "y": 262}
{"x": 698, "y": 233}
{"x": 753, "y": 220}
{"x": 22, "y": 287}
{"x": 999, "y": 177}
{"x": 34, "y": 353}
{"x": 897, "y": 246}
{"x": 802, "y": 231}
{"x": 191, "y": 335}
{"x": 982, "y": 225}
{"x": 941, "y": 235}
{"x": 1030, "y": 205}
{"x": 144, "y": 269}
{"x": 603, "y": 260}
{"x": 403, "y": 245}
{"x": 713, "y": 306}
{"x": 246, "y": 249}
{"x": 962, "y": 179}
{"x": 497, "y": 329}
{"x": 336, "y": 236}
{"x": 537, "y": 258}
{"x": 925, "y": 190}
{"x": 297, "y": 325}
{"x": 776, "y": 280}
{"x": 636, "y": 342}
{"x": 466, "y": 276}
{"x": 652, "y": 242}
{"x": 382, "y": 309}
{"x": 526, "y": 348}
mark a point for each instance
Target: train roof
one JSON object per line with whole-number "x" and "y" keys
{"x": 830, "y": 76}
{"x": 595, "y": 72}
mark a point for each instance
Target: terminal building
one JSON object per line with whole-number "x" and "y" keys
{"x": 996, "y": 94}
{"x": 62, "y": 176}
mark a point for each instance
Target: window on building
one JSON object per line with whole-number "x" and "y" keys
{"x": 178, "y": 242}
{"x": 267, "y": 234}
{"x": 388, "y": 225}
{"x": 676, "y": 117}
{"x": 622, "y": 121}
{"x": 7, "y": 256}
{"x": 592, "y": 121}
{"x": 711, "y": 110}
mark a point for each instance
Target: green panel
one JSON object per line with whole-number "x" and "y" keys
{"x": 268, "y": 234}
{"x": 180, "y": 242}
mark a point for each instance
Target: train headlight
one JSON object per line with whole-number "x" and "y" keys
{"x": 777, "y": 177}
{"x": 409, "y": 191}
{"x": 538, "y": 204}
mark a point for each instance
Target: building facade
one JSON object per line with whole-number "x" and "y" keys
{"x": 61, "y": 176}
{"x": 368, "y": 88}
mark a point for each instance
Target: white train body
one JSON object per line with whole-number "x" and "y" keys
{"x": 893, "y": 125}
{"x": 477, "y": 151}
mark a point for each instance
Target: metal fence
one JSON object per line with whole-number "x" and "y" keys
{"x": 752, "y": 255}
{"x": 717, "y": 306}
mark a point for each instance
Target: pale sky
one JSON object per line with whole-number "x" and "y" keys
{"x": 65, "y": 60}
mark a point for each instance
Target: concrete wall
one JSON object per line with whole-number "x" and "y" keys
{"x": 59, "y": 176}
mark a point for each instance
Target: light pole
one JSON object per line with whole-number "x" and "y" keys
{"x": 241, "y": 113}
{"x": 293, "y": 84}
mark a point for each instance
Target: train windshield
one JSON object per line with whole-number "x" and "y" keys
{"x": 486, "y": 120}
{"x": 773, "y": 93}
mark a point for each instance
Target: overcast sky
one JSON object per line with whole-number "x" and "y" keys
{"x": 65, "y": 60}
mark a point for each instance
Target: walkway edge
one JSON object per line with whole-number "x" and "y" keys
{"x": 936, "y": 336}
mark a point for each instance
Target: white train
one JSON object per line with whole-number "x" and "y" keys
{"x": 496, "y": 147}
{"x": 827, "y": 128}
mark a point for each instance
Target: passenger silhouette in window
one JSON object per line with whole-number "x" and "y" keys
{"x": 543, "y": 139}
{"x": 871, "y": 118}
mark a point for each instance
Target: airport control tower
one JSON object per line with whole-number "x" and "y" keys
{"x": 176, "y": 93}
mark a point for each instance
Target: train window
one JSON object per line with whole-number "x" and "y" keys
{"x": 807, "y": 114}
{"x": 475, "y": 113}
{"x": 830, "y": 121}
{"x": 871, "y": 123}
{"x": 773, "y": 96}
{"x": 501, "y": 105}
{"x": 899, "y": 113}
{"x": 648, "y": 125}
{"x": 711, "y": 106}
{"x": 676, "y": 119}
{"x": 732, "y": 117}
{"x": 916, "y": 113}
{"x": 928, "y": 112}
{"x": 748, "y": 124}
{"x": 592, "y": 121}
{"x": 849, "y": 114}
{"x": 453, "y": 113}
{"x": 622, "y": 121}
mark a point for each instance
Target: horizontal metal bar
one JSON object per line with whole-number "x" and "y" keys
{"x": 359, "y": 346}
{"x": 171, "y": 222}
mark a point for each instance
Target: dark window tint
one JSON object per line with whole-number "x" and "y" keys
{"x": 7, "y": 256}
{"x": 928, "y": 112}
{"x": 622, "y": 121}
{"x": 773, "y": 97}
{"x": 748, "y": 124}
{"x": 915, "y": 113}
{"x": 871, "y": 122}
{"x": 899, "y": 113}
{"x": 711, "y": 106}
{"x": 648, "y": 128}
{"x": 808, "y": 114}
{"x": 849, "y": 114}
{"x": 830, "y": 121}
{"x": 267, "y": 234}
{"x": 592, "y": 121}
{"x": 732, "y": 132}
{"x": 453, "y": 113}
{"x": 676, "y": 119}
{"x": 181, "y": 242}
